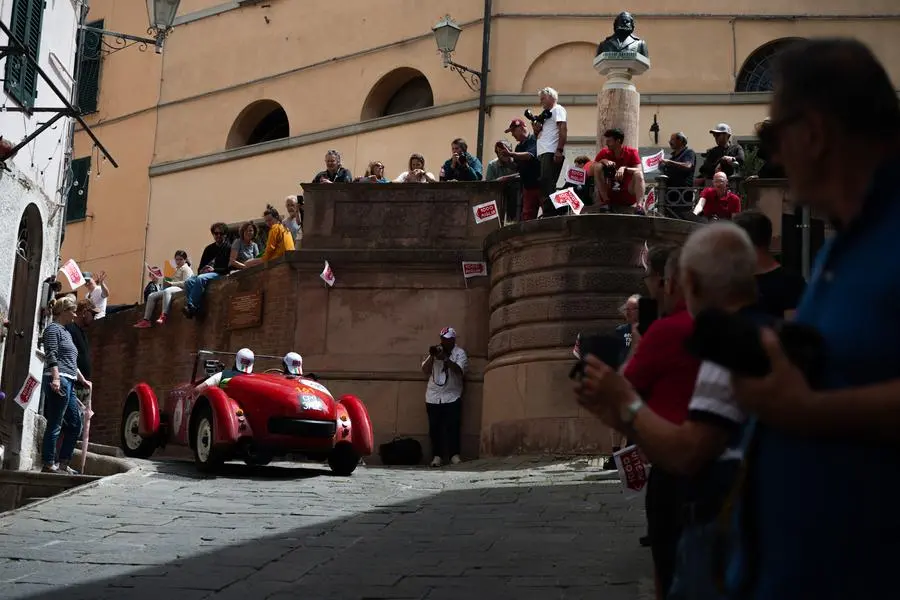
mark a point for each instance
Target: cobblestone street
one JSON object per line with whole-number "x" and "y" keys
{"x": 519, "y": 528}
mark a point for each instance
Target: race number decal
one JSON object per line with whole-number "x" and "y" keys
{"x": 318, "y": 387}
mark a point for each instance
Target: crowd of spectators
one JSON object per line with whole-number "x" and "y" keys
{"x": 772, "y": 472}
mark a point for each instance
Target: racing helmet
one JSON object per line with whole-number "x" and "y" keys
{"x": 293, "y": 363}
{"x": 243, "y": 360}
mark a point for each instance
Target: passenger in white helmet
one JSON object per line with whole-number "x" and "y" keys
{"x": 243, "y": 364}
{"x": 292, "y": 363}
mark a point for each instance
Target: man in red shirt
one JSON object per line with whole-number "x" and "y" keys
{"x": 717, "y": 201}
{"x": 663, "y": 373}
{"x": 618, "y": 174}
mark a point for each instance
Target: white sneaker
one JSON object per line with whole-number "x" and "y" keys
{"x": 436, "y": 461}
{"x": 455, "y": 459}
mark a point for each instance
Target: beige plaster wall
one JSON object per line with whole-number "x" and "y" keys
{"x": 320, "y": 60}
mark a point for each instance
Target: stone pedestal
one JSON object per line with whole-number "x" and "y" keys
{"x": 619, "y": 102}
{"x": 550, "y": 280}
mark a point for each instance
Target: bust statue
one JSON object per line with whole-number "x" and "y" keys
{"x": 623, "y": 38}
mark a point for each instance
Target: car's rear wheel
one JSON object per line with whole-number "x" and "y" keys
{"x": 207, "y": 457}
{"x": 343, "y": 460}
{"x": 133, "y": 445}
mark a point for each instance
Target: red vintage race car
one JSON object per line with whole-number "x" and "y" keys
{"x": 254, "y": 416}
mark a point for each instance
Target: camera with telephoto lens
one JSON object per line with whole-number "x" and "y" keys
{"x": 436, "y": 350}
{"x": 539, "y": 119}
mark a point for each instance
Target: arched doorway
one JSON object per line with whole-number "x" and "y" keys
{"x": 402, "y": 90}
{"x": 22, "y": 308}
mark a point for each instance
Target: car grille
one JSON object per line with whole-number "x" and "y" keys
{"x": 302, "y": 427}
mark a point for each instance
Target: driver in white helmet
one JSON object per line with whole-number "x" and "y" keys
{"x": 243, "y": 364}
{"x": 292, "y": 363}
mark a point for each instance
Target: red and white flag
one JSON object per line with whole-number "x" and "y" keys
{"x": 651, "y": 163}
{"x": 648, "y": 202}
{"x": 327, "y": 275}
{"x": 73, "y": 274}
{"x": 154, "y": 272}
{"x": 632, "y": 470}
{"x": 474, "y": 269}
{"x": 576, "y": 175}
{"x": 25, "y": 394}
{"x": 486, "y": 212}
{"x": 567, "y": 197}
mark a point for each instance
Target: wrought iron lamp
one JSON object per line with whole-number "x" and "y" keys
{"x": 446, "y": 34}
{"x": 161, "y": 15}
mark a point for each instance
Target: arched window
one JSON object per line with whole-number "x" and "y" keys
{"x": 756, "y": 74}
{"x": 400, "y": 91}
{"x": 262, "y": 121}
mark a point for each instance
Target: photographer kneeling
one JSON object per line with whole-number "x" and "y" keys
{"x": 445, "y": 367}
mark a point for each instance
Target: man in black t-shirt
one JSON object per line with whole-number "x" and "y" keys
{"x": 85, "y": 312}
{"x": 214, "y": 263}
{"x": 779, "y": 289}
{"x": 525, "y": 157}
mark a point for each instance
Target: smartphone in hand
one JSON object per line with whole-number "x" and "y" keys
{"x": 648, "y": 311}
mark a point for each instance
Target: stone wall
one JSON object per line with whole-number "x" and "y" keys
{"x": 396, "y": 252}
{"x": 550, "y": 280}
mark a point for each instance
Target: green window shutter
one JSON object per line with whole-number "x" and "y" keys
{"x": 88, "y": 72}
{"x": 21, "y": 75}
{"x": 76, "y": 203}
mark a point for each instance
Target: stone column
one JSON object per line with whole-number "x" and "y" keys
{"x": 619, "y": 102}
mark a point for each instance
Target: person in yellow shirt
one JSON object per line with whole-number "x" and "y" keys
{"x": 279, "y": 241}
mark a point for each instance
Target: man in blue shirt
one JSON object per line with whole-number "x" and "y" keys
{"x": 822, "y": 490}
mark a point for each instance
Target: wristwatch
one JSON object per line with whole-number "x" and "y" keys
{"x": 630, "y": 411}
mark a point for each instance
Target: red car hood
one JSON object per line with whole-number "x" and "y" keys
{"x": 265, "y": 395}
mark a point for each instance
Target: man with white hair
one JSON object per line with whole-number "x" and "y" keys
{"x": 551, "y": 145}
{"x": 717, "y": 270}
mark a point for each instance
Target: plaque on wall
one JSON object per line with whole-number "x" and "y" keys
{"x": 245, "y": 310}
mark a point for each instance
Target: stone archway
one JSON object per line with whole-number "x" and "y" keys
{"x": 26, "y": 284}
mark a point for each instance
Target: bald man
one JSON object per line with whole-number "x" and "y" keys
{"x": 718, "y": 202}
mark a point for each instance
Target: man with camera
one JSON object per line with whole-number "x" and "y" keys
{"x": 551, "y": 144}
{"x": 663, "y": 374}
{"x": 526, "y": 161}
{"x": 618, "y": 174}
{"x": 716, "y": 271}
{"x": 461, "y": 166}
{"x": 445, "y": 366}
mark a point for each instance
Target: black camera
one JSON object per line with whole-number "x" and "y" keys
{"x": 539, "y": 119}
{"x": 608, "y": 348}
{"x": 435, "y": 350}
{"x": 733, "y": 341}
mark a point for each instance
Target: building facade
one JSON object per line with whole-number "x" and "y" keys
{"x": 32, "y": 200}
{"x": 248, "y": 96}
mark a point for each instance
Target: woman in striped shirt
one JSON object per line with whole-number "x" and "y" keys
{"x": 61, "y": 408}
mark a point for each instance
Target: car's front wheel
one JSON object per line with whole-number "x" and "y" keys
{"x": 133, "y": 445}
{"x": 343, "y": 460}
{"x": 207, "y": 457}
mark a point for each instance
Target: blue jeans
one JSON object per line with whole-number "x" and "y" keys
{"x": 195, "y": 287}
{"x": 694, "y": 570}
{"x": 63, "y": 415}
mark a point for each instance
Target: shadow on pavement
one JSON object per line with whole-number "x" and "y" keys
{"x": 547, "y": 542}
{"x": 236, "y": 470}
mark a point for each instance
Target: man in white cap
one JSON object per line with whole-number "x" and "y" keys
{"x": 445, "y": 367}
{"x": 97, "y": 292}
{"x": 243, "y": 364}
{"x": 293, "y": 364}
{"x": 725, "y": 156}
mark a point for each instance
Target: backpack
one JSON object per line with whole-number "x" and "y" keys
{"x": 401, "y": 451}
{"x": 151, "y": 288}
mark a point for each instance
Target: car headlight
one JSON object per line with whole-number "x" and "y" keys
{"x": 310, "y": 402}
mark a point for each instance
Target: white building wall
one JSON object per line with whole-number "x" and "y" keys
{"x": 37, "y": 173}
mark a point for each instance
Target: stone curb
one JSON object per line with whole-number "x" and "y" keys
{"x": 131, "y": 467}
